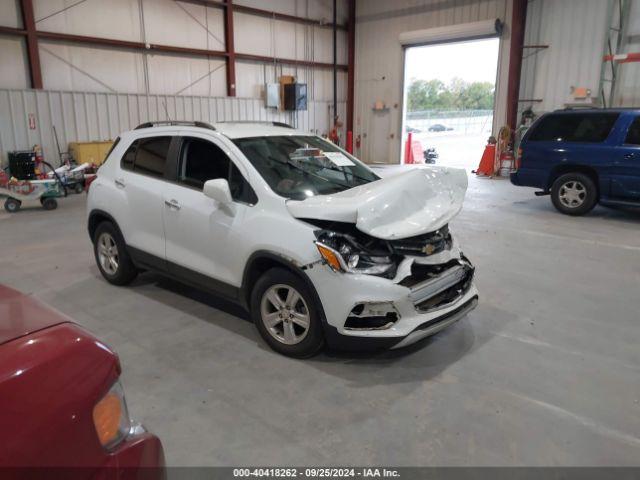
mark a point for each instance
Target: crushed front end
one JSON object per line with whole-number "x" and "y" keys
{"x": 389, "y": 293}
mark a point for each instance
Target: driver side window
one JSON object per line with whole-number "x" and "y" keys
{"x": 201, "y": 160}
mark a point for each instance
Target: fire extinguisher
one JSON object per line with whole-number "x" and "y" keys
{"x": 39, "y": 159}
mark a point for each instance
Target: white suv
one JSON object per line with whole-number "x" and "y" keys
{"x": 304, "y": 235}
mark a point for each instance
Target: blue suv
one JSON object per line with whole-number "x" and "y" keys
{"x": 583, "y": 157}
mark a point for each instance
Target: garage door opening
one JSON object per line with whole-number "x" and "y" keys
{"x": 449, "y": 99}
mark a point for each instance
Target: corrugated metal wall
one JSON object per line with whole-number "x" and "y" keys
{"x": 379, "y": 61}
{"x": 628, "y": 88}
{"x": 88, "y": 116}
{"x": 116, "y": 89}
{"x": 575, "y": 31}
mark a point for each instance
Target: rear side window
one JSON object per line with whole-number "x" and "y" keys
{"x": 151, "y": 156}
{"x": 633, "y": 135}
{"x": 147, "y": 156}
{"x": 579, "y": 127}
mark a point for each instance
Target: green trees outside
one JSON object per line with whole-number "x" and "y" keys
{"x": 458, "y": 95}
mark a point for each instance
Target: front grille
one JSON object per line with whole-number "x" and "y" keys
{"x": 450, "y": 294}
{"x": 420, "y": 273}
{"x": 423, "y": 245}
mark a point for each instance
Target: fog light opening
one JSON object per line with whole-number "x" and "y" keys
{"x": 372, "y": 316}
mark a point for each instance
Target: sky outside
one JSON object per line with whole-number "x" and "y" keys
{"x": 474, "y": 61}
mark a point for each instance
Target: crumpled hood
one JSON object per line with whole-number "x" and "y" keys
{"x": 415, "y": 202}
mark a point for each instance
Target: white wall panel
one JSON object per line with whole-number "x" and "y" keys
{"x": 89, "y": 116}
{"x": 379, "y": 61}
{"x": 318, "y": 9}
{"x": 575, "y": 32}
{"x": 10, "y": 15}
{"x": 13, "y": 62}
{"x": 180, "y": 75}
{"x": 183, "y": 24}
{"x": 111, "y": 19}
{"x": 93, "y": 69}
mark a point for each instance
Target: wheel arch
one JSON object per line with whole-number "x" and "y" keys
{"x": 574, "y": 168}
{"x": 96, "y": 217}
{"x": 263, "y": 260}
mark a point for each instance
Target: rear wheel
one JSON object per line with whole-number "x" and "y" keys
{"x": 12, "y": 205}
{"x": 574, "y": 194}
{"x": 49, "y": 203}
{"x": 285, "y": 313}
{"x": 111, "y": 255}
{"x": 78, "y": 188}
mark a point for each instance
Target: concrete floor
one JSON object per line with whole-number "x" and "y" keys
{"x": 546, "y": 371}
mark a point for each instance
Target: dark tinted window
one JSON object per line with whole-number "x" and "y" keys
{"x": 201, "y": 160}
{"x": 633, "y": 135}
{"x": 151, "y": 156}
{"x": 129, "y": 157}
{"x": 240, "y": 188}
{"x": 578, "y": 127}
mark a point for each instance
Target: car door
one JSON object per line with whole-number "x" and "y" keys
{"x": 141, "y": 179}
{"x": 625, "y": 175}
{"x": 202, "y": 243}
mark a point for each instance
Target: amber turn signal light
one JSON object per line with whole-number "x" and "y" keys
{"x": 329, "y": 255}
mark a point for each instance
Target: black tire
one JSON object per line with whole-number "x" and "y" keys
{"x": 78, "y": 188}
{"x": 12, "y": 205}
{"x": 49, "y": 203}
{"x": 124, "y": 271}
{"x": 313, "y": 341}
{"x": 574, "y": 194}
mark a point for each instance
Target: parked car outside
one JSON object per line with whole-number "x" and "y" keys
{"x": 583, "y": 157}
{"x": 413, "y": 130}
{"x": 311, "y": 241}
{"x": 438, "y": 127}
{"x": 61, "y": 401}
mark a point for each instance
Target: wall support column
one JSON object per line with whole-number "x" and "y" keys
{"x": 230, "y": 49}
{"x": 351, "y": 57}
{"x": 35, "y": 72}
{"x": 518, "y": 21}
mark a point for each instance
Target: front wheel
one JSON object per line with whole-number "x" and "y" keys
{"x": 286, "y": 315}
{"x": 574, "y": 194}
{"x": 49, "y": 203}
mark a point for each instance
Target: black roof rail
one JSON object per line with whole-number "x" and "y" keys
{"x": 157, "y": 123}
{"x": 264, "y": 122}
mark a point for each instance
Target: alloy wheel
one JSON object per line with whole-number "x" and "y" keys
{"x": 285, "y": 314}
{"x": 572, "y": 194}
{"x": 108, "y": 253}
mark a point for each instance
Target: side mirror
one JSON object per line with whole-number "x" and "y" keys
{"x": 218, "y": 189}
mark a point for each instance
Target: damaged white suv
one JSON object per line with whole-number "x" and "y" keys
{"x": 308, "y": 238}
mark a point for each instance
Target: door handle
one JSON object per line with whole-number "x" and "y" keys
{"x": 629, "y": 156}
{"x": 119, "y": 182}
{"x": 172, "y": 204}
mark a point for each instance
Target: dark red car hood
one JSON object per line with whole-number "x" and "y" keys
{"x": 21, "y": 315}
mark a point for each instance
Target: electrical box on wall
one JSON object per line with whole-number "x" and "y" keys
{"x": 272, "y": 95}
{"x": 295, "y": 96}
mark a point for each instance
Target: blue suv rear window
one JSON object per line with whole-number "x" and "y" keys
{"x": 574, "y": 127}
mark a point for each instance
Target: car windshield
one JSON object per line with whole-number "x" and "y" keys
{"x": 301, "y": 166}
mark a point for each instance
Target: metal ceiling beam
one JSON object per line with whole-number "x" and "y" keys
{"x": 35, "y": 72}
{"x": 518, "y": 20}
{"x": 230, "y": 49}
{"x": 285, "y": 61}
{"x": 351, "y": 59}
{"x": 267, "y": 13}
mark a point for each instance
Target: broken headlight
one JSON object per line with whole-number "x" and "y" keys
{"x": 343, "y": 253}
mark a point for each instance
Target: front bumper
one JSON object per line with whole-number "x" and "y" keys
{"x": 140, "y": 456}
{"x": 340, "y": 292}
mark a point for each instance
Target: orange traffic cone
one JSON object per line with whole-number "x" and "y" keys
{"x": 488, "y": 159}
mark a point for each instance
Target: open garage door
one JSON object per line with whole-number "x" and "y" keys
{"x": 449, "y": 99}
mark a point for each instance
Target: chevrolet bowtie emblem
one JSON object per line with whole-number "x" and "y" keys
{"x": 428, "y": 249}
